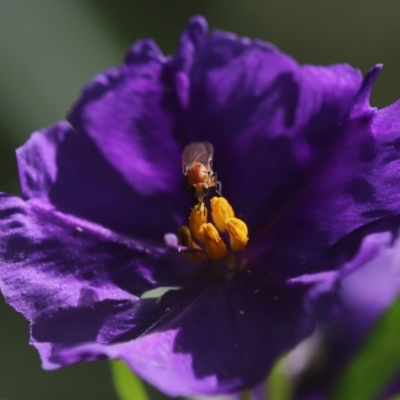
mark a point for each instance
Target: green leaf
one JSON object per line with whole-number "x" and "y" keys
{"x": 127, "y": 385}
{"x": 278, "y": 383}
{"x": 396, "y": 397}
{"x": 375, "y": 363}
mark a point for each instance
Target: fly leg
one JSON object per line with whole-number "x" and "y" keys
{"x": 218, "y": 185}
{"x": 218, "y": 188}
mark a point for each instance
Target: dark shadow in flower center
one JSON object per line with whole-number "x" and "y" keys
{"x": 86, "y": 185}
{"x": 262, "y": 158}
{"x": 235, "y": 329}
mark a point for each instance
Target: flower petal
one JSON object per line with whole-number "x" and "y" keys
{"x": 365, "y": 291}
{"x": 49, "y": 260}
{"x": 369, "y": 283}
{"x": 64, "y": 168}
{"x": 357, "y": 187}
{"x": 359, "y": 255}
{"x": 212, "y": 339}
{"x": 270, "y": 119}
{"x": 364, "y": 288}
{"x": 129, "y": 113}
{"x": 121, "y": 153}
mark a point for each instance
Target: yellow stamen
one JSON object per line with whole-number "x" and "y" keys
{"x": 238, "y": 233}
{"x": 207, "y": 234}
{"x": 185, "y": 239}
{"x": 197, "y": 217}
{"x": 221, "y": 212}
{"x": 212, "y": 242}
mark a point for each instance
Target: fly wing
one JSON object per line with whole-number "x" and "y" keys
{"x": 197, "y": 152}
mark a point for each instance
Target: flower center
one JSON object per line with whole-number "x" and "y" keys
{"x": 203, "y": 238}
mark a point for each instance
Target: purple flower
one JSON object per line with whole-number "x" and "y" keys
{"x": 303, "y": 160}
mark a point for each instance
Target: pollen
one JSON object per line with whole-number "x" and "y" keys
{"x": 198, "y": 217}
{"x": 203, "y": 238}
{"x": 238, "y": 233}
{"x": 195, "y": 252}
{"x": 224, "y": 219}
{"x": 212, "y": 242}
{"x": 221, "y": 212}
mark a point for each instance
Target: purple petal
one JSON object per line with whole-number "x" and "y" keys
{"x": 64, "y": 168}
{"x": 357, "y": 187}
{"x": 129, "y": 113}
{"x": 362, "y": 106}
{"x": 370, "y": 282}
{"x": 50, "y": 261}
{"x": 121, "y": 154}
{"x": 365, "y": 291}
{"x": 212, "y": 339}
{"x": 270, "y": 119}
{"x": 364, "y": 288}
{"x": 358, "y": 256}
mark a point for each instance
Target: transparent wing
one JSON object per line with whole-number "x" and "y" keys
{"x": 197, "y": 152}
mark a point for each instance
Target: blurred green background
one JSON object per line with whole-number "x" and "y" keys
{"x": 50, "y": 48}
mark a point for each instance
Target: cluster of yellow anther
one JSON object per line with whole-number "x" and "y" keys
{"x": 208, "y": 234}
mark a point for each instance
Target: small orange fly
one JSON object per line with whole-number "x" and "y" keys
{"x": 197, "y": 160}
